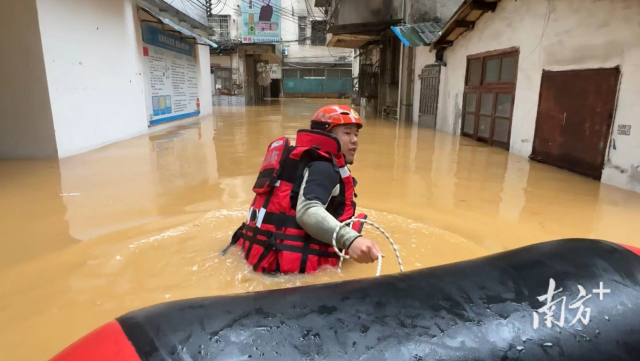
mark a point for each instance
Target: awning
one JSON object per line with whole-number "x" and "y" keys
{"x": 418, "y": 34}
{"x": 349, "y": 41}
{"x": 357, "y": 35}
{"x": 179, "y": 28}
{"x": 463, "y": 20}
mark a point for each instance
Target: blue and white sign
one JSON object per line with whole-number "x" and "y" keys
{"x": 260, "y": 21}
{"x": 155, "y": 36}
{"x": 171, "y": 75}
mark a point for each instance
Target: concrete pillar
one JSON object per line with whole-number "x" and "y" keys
{"x": 250, "y": 76}
{"x": 405, "y": 93}
{"x": 26, "y": 120}
{"x": 204, "y": 62}
{"x": 405, "y": 86}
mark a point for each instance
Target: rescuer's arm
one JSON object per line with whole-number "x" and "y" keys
{"x": 320, "y": 183}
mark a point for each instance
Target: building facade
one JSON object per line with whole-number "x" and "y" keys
{"x": 383, "y": 65}
{"x": 89, "y": 74}
{"x": 553, "y": 81}
{"x": 301, "y": 64}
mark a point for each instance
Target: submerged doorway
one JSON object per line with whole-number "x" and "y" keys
{"x": 429, "y": 87}
{"x": 575, "y": 113}
{"x": 275, "y": 88}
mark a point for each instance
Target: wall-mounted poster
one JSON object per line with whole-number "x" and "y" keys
{"x": 260, "y": 21}
{"x": 275, "y": 70}
{"x": 171, "y": 75}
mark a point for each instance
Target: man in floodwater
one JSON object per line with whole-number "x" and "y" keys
{"x": 303, "y": 193}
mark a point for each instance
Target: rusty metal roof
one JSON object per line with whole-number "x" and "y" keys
{"x": 418, "y": 34}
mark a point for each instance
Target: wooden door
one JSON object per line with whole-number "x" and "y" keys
{"x": 489, "y": 95}
{"x": 575, "y": 113}
{"x": 429, "y": 87}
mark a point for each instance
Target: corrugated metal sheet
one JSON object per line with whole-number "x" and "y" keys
{"x": 418, "y": 34}
{"x": 181, "y": 29}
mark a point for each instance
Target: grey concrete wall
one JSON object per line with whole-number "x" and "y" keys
{"x": 26, "y": 121}
{"x": 429, "y": 10}
{"x": 367, "y": 11}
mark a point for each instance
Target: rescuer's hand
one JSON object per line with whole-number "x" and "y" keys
{"x": 364, "y": 250}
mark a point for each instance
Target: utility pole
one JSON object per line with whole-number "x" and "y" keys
{"x": 405, "y": 84}
{"x": 209, "y": 8}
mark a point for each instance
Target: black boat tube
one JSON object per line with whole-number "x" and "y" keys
{"x": 482, "y": 309}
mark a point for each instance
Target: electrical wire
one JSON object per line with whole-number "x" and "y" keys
{"x": 188, "y": 7}
{"x": 306, "y": 5}
{"x": 330, "y": 53}
{"x": 193, "y": 5}
{"x": 330, "y": 19}
{"x": 283, "y": 12}
{"x": 203, "y": 4}
{"x": 235, "y": 10}
{"x": 277, "y": 7}
{"x": 277, "y": 12}
{"x": 211, "y": 5}
{"x": 544, "y": 28}
{"x": 221, "y": 8}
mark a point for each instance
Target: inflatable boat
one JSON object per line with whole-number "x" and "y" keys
{"x": 491, "y": 308}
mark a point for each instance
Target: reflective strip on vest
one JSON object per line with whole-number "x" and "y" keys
{"x": 272, "y": 239}
{"x": 260, "y": 217}
{"x": 344, "y": 172}
{"x": 249, "y": 215}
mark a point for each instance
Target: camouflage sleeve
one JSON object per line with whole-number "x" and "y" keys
{"x": 312, "y": 215}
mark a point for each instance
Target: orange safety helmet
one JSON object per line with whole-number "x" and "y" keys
{"x": 332, "y": 115}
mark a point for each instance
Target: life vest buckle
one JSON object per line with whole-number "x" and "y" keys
{"x": 271, "y": 242}
{"x": 254, "y": 216}
{"x": 234, "y": 239}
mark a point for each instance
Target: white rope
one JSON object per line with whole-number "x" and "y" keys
{"x": 343, "y": 256}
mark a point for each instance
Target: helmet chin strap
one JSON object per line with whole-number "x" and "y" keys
{"x": 322, "y": 126}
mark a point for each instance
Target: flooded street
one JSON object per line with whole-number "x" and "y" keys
{"x": 87, "y": 238}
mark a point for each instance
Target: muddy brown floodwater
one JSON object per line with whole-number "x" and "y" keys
{"x": 90, "y": 237}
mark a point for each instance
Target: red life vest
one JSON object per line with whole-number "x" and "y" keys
{"x": 271, "y": 239}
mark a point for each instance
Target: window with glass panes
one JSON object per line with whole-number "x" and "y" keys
{"x": 290, "y": 73}
{"x": 318, "y": 32}
{"x": 223, "y": 79}
{"x": 220, "y": 25}
{"x": 306, "y": 73}
{"x": 302, "y": 30}
{"x": 489, "y": 94}
{"x": 333, "y": 73}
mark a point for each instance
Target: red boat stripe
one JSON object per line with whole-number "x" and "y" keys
{"x": 635, "y": 250}
{"x": 106, "y": 343}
